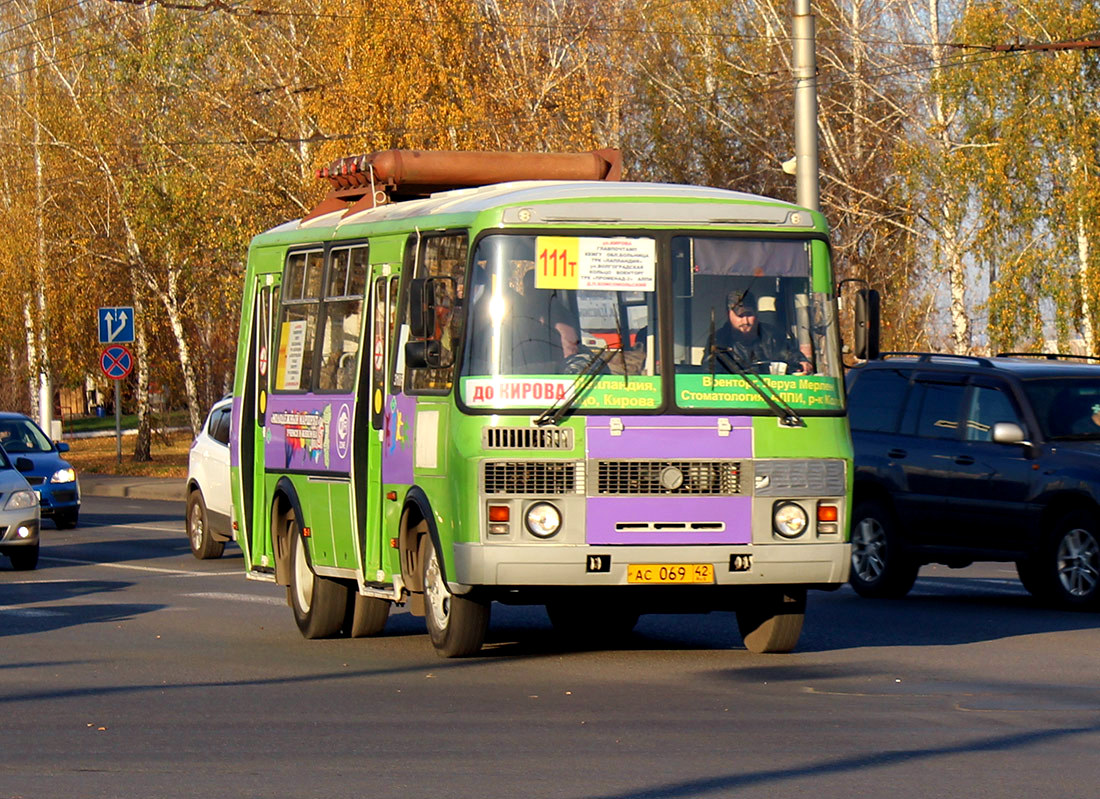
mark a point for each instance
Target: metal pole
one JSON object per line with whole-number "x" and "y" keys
{"x": 805, "y": 107}
{"x": 118, "y": 420}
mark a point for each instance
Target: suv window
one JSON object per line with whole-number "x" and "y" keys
{"x": 933, "y": 410}
{"x": 219, "y": 425}
{"x": 876, "y": 399}
{"x": 986, "y": 407}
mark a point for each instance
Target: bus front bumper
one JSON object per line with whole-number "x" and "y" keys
{"x": 818, "y": 564}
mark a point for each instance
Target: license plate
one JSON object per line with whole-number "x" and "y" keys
{"x": 670, "y": 573}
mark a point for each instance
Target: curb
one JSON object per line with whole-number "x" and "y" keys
{"x": 159, "y": 488}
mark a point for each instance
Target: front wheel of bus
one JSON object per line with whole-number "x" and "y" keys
{"x": 770, "y": 620}
{"x": 456, "y": 625}
{"x": 319, "y": 603}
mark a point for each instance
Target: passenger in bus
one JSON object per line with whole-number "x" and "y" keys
{"x": 752, "y": 346}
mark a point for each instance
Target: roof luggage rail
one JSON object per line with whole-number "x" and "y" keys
{"x": 927, "y": 357}
{"x": 1050, "y": 356}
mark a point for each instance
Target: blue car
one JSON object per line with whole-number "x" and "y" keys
{"x": 40, "y": 461}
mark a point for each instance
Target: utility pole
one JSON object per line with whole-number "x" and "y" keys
{"x": 805, "y": 107}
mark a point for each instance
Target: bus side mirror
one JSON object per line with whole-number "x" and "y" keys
{"x": 424, "y": 354}
{"x": 867, "y": 325}
{"x": 420, "y": 301}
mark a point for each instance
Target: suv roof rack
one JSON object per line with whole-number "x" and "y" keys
{"x": 929, "y": 356}
{"x": 1050, "y": 356}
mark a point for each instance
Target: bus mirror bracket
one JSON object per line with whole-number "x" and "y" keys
{"x": 426, "y": 354}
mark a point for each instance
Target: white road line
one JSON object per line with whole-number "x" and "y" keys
{"x": 174, "y": 529}
{"x": 151, "y": 569}
{"x": 220, "y": 595}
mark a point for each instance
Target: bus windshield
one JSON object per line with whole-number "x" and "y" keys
{"x": 745, "y": 308}
{"x": 542, "y": 307}
{"x": 748, "y": 329}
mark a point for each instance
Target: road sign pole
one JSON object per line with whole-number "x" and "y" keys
{"x": 118, "y": 420}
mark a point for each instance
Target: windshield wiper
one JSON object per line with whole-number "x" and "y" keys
{"x": 787, "y": 415}
{"x": 585, "y": 377}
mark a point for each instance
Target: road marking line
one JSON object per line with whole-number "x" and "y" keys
{"x": 152, "y": 569}
{"x": 175, "y": 529}
{"x": 264, "y": 600}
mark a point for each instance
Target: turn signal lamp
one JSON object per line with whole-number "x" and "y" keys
{"x": 827, "y": 517}
{"x": 499, "y": 517}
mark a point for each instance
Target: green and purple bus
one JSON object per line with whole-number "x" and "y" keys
{"x": 468, "y": 378}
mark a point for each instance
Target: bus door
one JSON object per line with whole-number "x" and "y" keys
{"x": 252, "y": 536}
{"x": 370, "y": 427}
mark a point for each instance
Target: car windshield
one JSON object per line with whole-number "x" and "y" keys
{"x": 1067, "y": 408}
{"x": 22, "y": 435}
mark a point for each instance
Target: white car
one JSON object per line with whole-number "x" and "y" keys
{"x": 19, "y": 514}
{"x": 208, "y": 500}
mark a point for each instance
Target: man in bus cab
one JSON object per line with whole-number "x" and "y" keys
{"x": 750, "y": 345}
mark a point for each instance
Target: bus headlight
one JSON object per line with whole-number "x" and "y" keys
{"x": 543, "y": 520}
{"x": 789, "y": 520}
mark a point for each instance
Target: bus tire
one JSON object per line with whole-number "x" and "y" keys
{"x": 456, "y": 624}
{"x": 319, "y": 604}
{"x": 366, "y": 615}
{"x": 770, "y": 620}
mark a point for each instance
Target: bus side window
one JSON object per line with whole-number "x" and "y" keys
{"x": 439, "y": 256}
{"x": 298, "y": 320}
{"x": 347, "y": 280}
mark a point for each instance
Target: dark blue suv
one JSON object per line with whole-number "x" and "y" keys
{"x": 963, "y": 459}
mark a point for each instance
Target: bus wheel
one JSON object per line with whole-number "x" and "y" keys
{"x": 366, "y": 615}
{"x": 319, "y": 604}
{"x": 456, "y": 625}
{"x": 771, "y": 619}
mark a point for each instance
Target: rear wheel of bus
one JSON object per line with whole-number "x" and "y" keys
{"x": 770, "y": 620}
{"x": 319, "y": 603}
{"x": 456, "y": 624}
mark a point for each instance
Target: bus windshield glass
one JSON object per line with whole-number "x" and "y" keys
{"x": 542, "y": 308}
{"x": 745, "y": 310}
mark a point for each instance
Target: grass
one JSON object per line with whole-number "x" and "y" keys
{"x": 89, "y": 424}
{"x": 100, "y": 455}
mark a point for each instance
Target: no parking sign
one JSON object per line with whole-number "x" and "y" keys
{"x": 116, "y": 361}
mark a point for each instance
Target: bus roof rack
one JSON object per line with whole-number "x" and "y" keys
{"x": 360, "y": 182}
{"x": 1050, "y": 356}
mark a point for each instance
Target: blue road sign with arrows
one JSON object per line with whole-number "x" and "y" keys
{"x": 116, "y": 325}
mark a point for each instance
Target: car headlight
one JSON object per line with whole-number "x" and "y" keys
{"x": 64, "y": 475}
{"x": 543, "y": 520}
{"x": 21, "y": 499}
{"x": 789, "y": 520}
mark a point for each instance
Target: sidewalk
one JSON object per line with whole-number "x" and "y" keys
{"x": 108, "y": 485}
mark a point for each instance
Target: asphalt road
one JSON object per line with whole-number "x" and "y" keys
{"x": 129, "y": 669}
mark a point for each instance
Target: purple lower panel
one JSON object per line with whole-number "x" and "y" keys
{"x": 605, "y": 512}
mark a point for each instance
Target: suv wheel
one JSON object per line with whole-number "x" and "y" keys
{"x": 1067, "y": 568}
{"x": 879, "y": 566}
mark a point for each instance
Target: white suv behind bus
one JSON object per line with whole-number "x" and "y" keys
{"x": 208, "y": 501}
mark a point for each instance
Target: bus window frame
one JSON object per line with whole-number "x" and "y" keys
{"x": 412, "y": 263}
{"x": 321, "y": 302}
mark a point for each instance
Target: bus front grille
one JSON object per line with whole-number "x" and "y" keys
{"x": 529, "y": 477}
{"x": 666, "y": 478}
{"x": 558, "y": 438}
